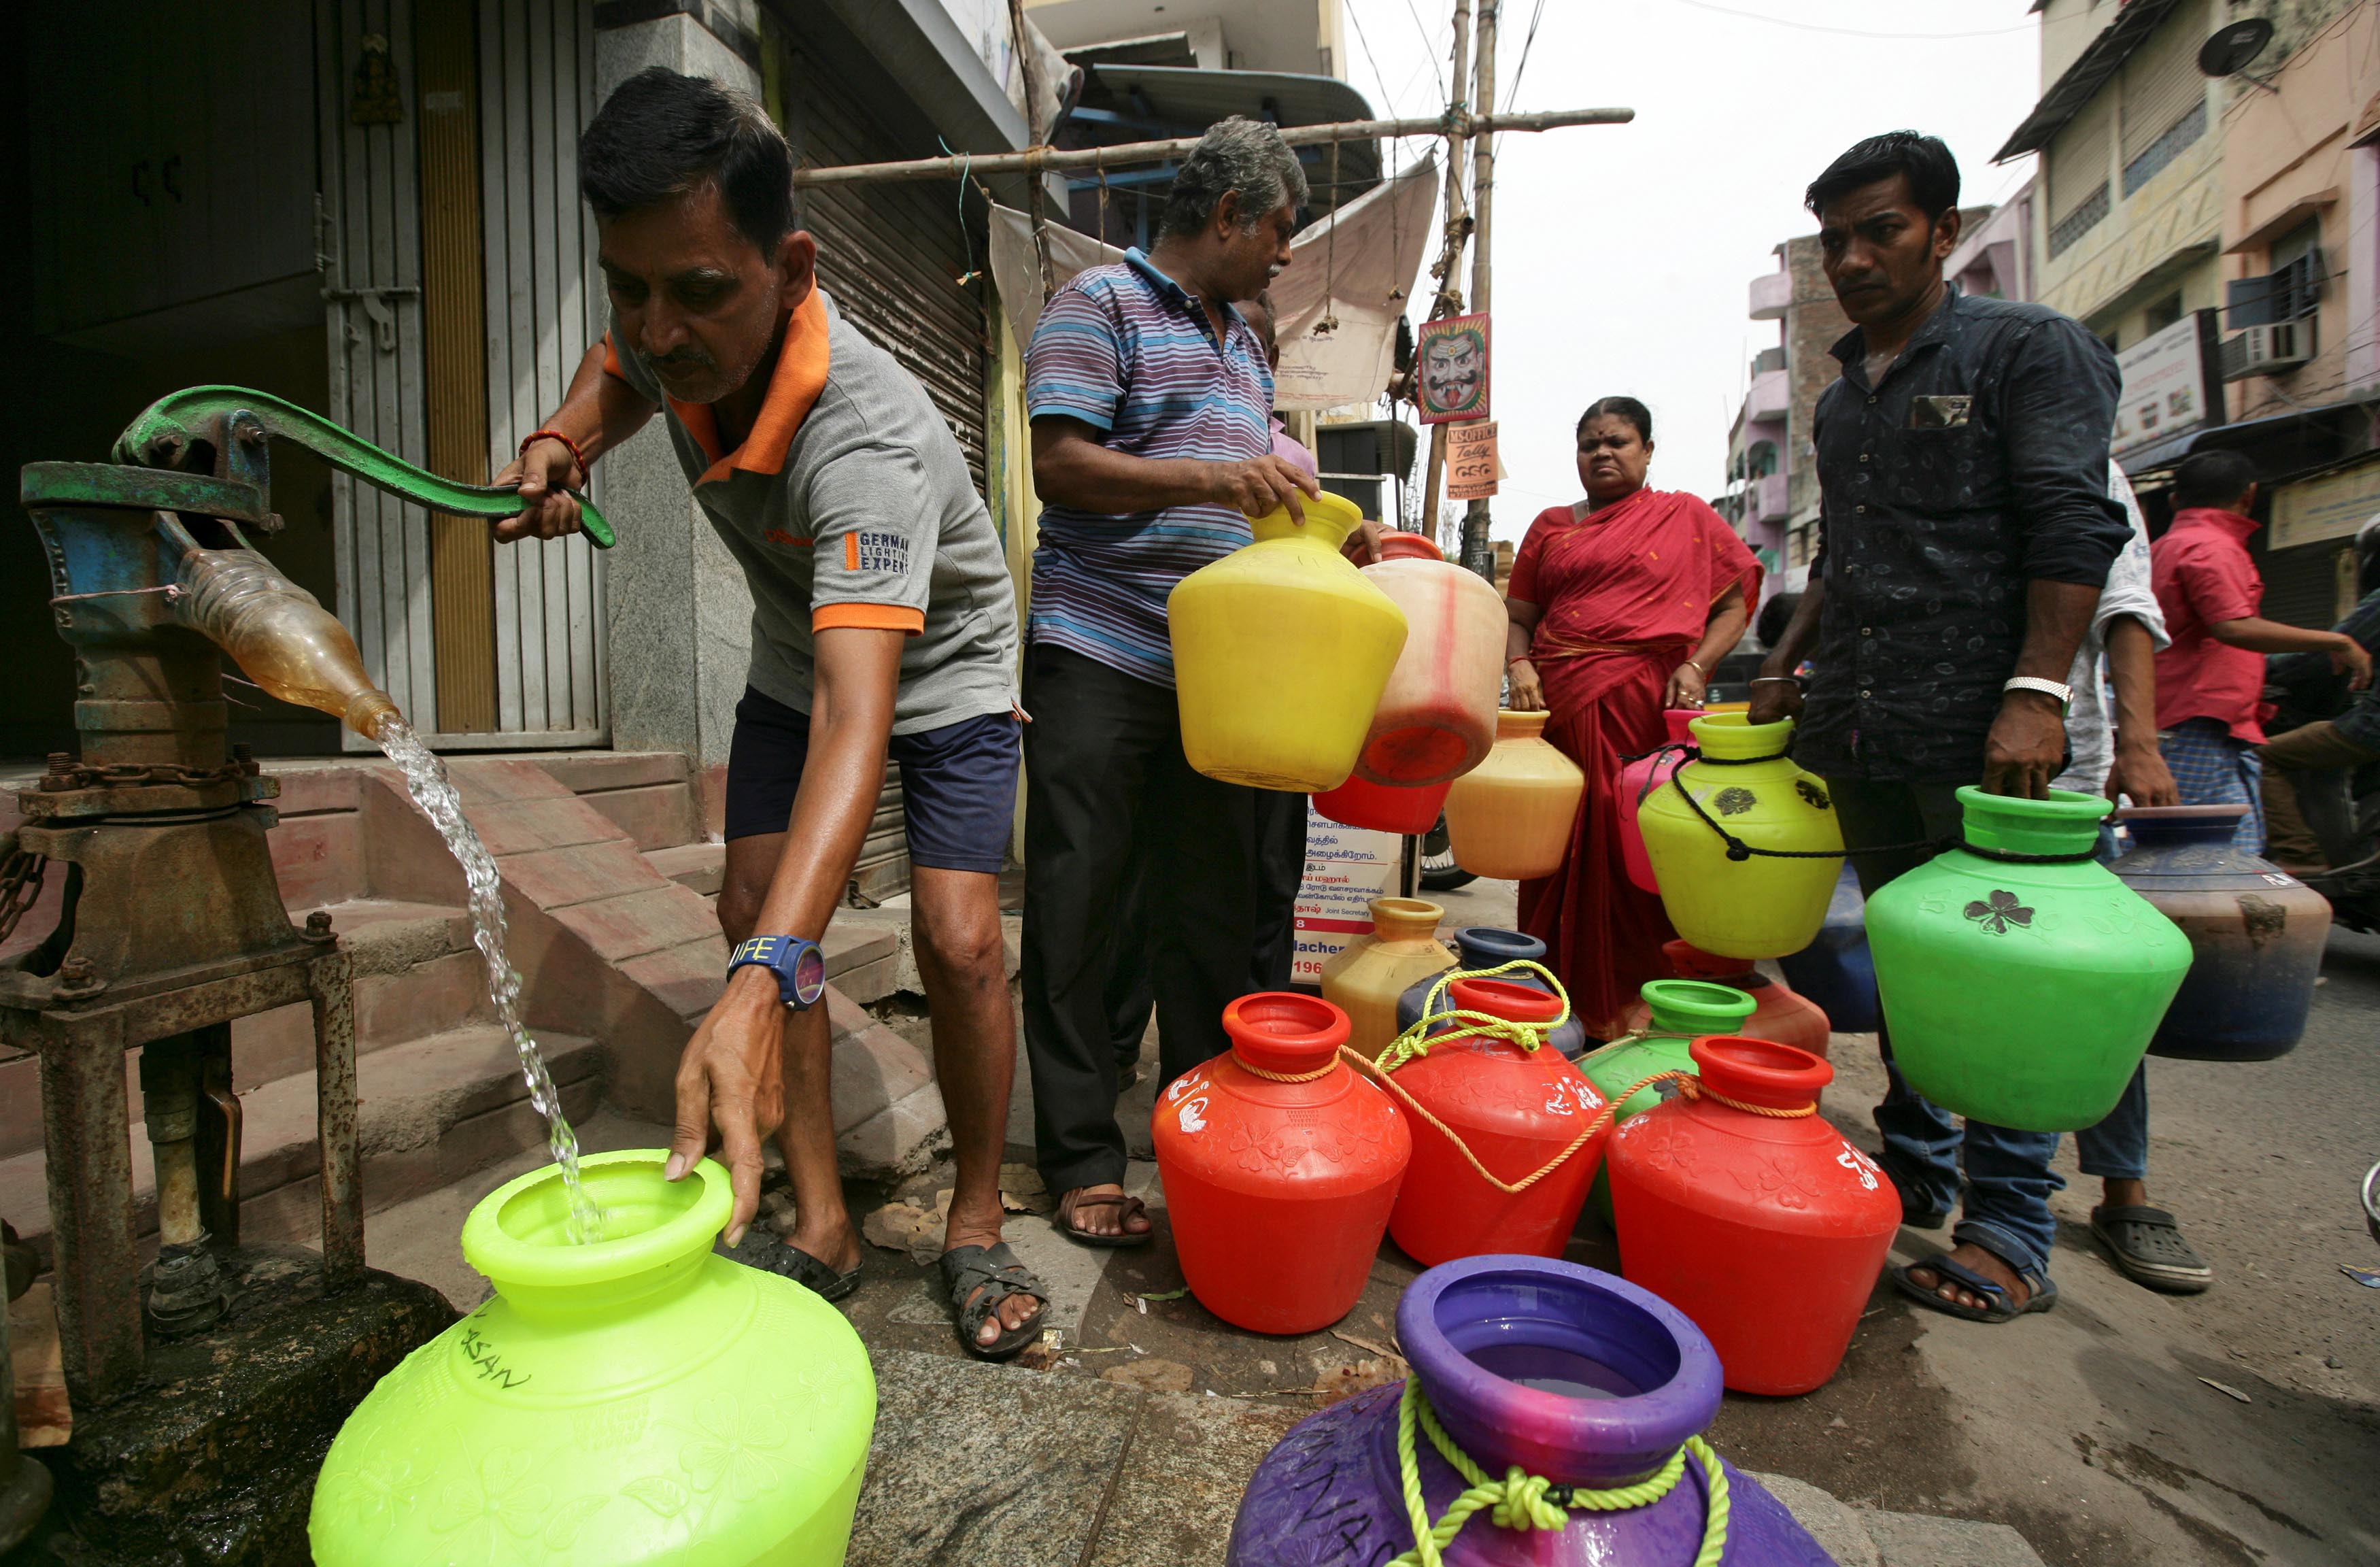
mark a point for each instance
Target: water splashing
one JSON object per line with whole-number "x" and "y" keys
{"x": 426, "y": 781}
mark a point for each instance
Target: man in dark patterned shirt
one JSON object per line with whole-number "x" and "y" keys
{"x": 1964, "y": 533}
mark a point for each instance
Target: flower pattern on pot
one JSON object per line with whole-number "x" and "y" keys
{"x": 2001, "y": 912}
{"x": 1734, "y": 800}
{"x": 1812, "y": 795}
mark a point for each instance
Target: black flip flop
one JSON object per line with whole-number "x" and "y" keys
{"x": 1126, "y": 1207}
{"x": 995, "y": 1272}
{"x": 2146, "y": 1247}
{"x": 762, "y": 1250}
{"x": 2043, "y": 1296}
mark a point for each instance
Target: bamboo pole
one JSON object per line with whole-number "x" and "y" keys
{"x": 1448, "y": 300}
{"x": 1454, "y": 126}
{"x": 1478, "y": 554}
{"x": 1028, "y": 65}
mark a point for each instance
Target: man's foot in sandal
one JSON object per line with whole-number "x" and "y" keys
{"x": 1102, "y": 1216}
{"x": 995, "y": 1299}
{"x": 2146, "y": 1247}
{"x": 762, "y": 1250}
{"x": 1973, "y": 1283}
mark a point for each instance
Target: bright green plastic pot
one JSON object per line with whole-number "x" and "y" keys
{"x": 2023, "y": 994}
{"x": 1683, "y": 1010}
{"x": 640, "y": 1400}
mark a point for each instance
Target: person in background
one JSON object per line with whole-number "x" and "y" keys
{"x": 2210, "y": 681}
{"x": 882, "y": 617}
{"x": 1775, "y": 616}
{"x": 2318, "y": 760}
{"x": 1619, "y": 605}
{"x": 2121, "y": 759}
{"x": 1965, "y": 533}
{"x": 1150, "y": 400}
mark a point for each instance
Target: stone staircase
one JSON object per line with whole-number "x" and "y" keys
{"x": 609, "y": 879}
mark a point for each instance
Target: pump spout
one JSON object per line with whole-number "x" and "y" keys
{"x": 280, "y": 635}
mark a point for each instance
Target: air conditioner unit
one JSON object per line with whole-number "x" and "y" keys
{"x": 2267, "y": 350}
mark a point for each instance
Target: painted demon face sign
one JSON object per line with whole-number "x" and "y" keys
{"x": 1453, "y": 370}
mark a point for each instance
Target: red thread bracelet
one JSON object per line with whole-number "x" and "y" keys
{"x": 576, "y": 454}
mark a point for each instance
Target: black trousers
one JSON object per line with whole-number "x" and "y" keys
{"x": 1133, "y": 864}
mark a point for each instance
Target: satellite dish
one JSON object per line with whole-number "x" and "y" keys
{"x": 2233, "y": 48}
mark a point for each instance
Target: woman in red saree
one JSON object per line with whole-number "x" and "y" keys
{"x": 1620, "y": 606}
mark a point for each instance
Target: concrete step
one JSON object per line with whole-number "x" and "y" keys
{"x": 702, "y": 866}
{"x": 431, "y": 1112}
{"x": 416, "y": 974}
{"x": 650, "y": 795}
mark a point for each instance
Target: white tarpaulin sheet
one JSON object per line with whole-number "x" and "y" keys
{"x": 1362, "y": 280}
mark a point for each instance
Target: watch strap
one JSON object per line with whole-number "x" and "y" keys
{"x": 798, "y": 965}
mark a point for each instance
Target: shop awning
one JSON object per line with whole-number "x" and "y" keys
{"x": 2092, "y": 71}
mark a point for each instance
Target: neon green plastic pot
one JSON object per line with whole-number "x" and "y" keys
{"x": 2024, "y": 995}
{"x": 639, "y": 1399}
{"x": 1683, "y": 1010}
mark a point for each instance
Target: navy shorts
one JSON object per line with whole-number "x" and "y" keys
{"x": 958, "y": 782}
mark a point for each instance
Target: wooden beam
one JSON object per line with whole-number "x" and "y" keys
{"x": 1037, "y": 160}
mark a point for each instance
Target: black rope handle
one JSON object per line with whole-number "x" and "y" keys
{"x": 1740, "y": 851}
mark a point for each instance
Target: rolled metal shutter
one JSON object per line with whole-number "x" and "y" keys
{"x": 892, "y": 257}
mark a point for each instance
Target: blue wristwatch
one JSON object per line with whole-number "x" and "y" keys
{"x": 799, "y": 966}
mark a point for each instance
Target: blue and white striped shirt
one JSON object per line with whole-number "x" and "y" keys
{"x": 1130, "y": 353}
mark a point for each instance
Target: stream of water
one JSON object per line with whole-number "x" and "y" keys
{"x": 426, "y": 781}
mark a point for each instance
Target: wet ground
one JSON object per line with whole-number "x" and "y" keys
{"x": 2237, "y": 1427}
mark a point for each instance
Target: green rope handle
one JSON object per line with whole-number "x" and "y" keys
{"x": 180, "y": 414}
{"x": 1523, "y": 1502}
{"x": 1415, "y": 1041}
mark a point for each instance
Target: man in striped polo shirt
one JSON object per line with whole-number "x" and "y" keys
{"x": 1151, "y": 404}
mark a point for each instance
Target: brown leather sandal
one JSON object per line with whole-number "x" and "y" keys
{"x": 1126, "y": 1207}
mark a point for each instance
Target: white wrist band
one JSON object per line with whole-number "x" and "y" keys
{"x": 2065, "y": 694}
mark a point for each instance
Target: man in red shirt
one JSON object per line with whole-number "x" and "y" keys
{"x": 2210, "y": 681}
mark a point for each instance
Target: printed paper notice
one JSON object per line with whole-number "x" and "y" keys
{"x": 1471, "y": 466}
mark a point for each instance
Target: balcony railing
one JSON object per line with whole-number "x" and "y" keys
{"x": 1770, "y": 399}
{"x": 1769, "y": 494}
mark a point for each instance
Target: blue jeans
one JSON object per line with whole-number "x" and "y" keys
{"x": 2007, "y": 1174}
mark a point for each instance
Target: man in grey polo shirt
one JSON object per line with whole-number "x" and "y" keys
{"x": 882, "y": 615}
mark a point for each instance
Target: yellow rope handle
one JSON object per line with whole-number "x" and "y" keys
{"x": 1325, "y": 1069}
{"x": 1523, "y": 1502}
{"x": 1509, "y": 1188}
{"x": 1416, "y": 1040}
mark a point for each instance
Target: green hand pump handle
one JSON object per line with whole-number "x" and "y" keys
{"x": 168, "y": 427}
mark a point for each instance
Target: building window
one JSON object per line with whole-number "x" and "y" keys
{"x": 2291, "y": 290}
{"x": 1761, "y": 461}
{"x": 2162, "y": 314}
{"x": 2076, "y": 224}
{"x": 1797, "y": 545}
{"x": 2165, "y": 148}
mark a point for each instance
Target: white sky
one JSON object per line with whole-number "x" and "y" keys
{"x": 1623, "y": 254}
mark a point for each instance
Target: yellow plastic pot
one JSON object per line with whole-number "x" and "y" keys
{"x": 1747, "y": 787}
{"x": 1513, "y": 815}
{"x": 1280, "y": 653}
{"x": 1364, "y": 978}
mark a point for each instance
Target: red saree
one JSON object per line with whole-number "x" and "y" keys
{"x": 1626, "y": 596}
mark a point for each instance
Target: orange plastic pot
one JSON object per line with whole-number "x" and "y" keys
{"x": 1512, "y": 816}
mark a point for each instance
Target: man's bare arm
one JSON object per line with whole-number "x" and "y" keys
{"x": 1775, "y": 695}
{"x": 1072, "y": 468}
{"x": 598, "y": 412}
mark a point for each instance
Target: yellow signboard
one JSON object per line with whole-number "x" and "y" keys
{"x": 2329, "y": 505}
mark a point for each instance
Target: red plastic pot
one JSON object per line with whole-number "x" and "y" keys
{"x": 1278, "y": 1190}
{"x": 1384, "y": 807}
{"x": 1515, "y": 1109}
{"x": 1768, "y": 1231}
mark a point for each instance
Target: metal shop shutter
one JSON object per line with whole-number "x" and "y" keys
{"x": 892, "y": 256}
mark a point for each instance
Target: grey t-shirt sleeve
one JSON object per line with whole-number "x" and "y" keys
{"x": 875, "y": 521}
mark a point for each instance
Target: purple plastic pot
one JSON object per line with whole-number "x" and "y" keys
{"x": 1572, "y": 1374}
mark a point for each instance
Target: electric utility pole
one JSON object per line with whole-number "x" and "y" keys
{"x": 1479, "y": 552}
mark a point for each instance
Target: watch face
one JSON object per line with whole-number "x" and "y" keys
{"x": 809, "y": 976}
